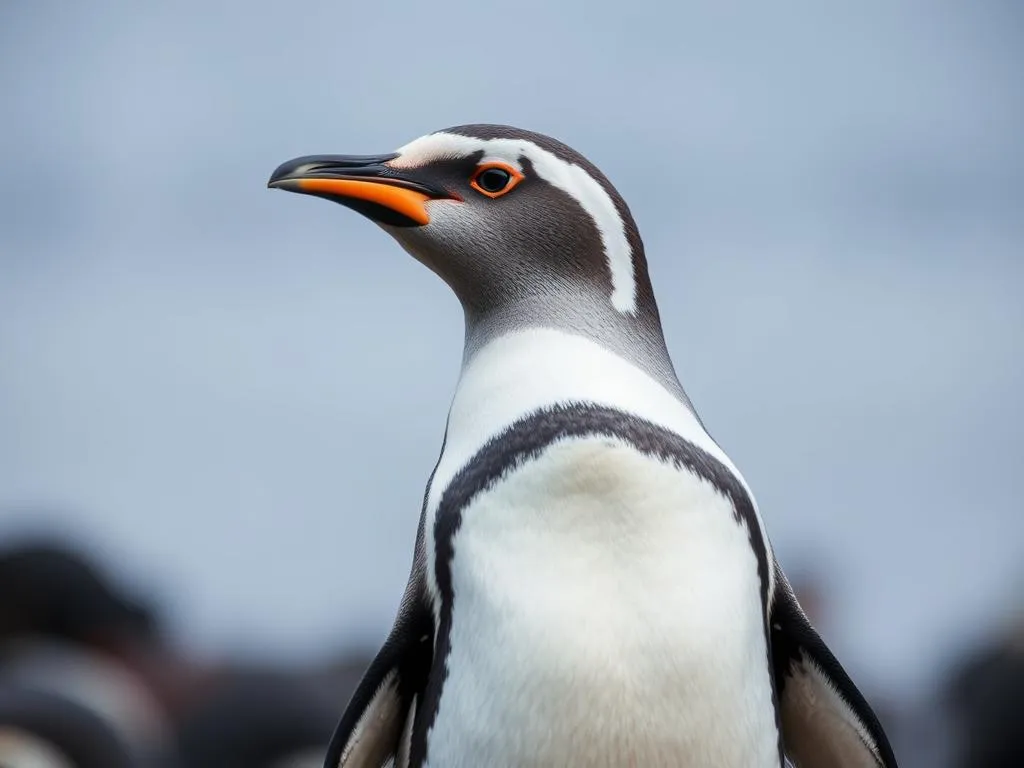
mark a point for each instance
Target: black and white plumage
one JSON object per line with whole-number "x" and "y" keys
{"x": 592, "y": 584}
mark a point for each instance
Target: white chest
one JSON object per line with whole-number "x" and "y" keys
{"x": 606, "y": 612}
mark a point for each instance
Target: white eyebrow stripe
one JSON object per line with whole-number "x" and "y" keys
{"x": 499, "y": 159}
{"x": 566, "y": 176}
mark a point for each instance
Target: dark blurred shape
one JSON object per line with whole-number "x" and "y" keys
{"x": 986, "y": 695}
{"x": 39, "y": 728}
{"x": 51, "y": 592}
{"x": 256, "y": 719}
{"x": 48, "y": 590}
{"x": 68, "y": 630}
{"x": 339, "y": 678}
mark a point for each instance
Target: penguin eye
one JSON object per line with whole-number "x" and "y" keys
{"x": 495, "y": 179}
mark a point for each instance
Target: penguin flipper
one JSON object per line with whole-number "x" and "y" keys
{"x": 826, "y": 722}
{"x": 375, "y": 728}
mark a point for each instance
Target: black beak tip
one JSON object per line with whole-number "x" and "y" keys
{"x": 287, "y": 170}
{"x": 284, "y": 183}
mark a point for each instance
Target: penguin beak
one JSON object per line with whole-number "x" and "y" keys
{"x": 364, "y": 183}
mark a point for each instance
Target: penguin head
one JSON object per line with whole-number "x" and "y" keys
{"x": 507, "y": 217}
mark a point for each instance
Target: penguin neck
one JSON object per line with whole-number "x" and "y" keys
{"x": 637, "y": 339}
{"x": 527, "y": 367}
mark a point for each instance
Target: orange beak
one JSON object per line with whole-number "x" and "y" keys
{"x": 361, "y": 182}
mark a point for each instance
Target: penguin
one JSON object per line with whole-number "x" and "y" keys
{"x": 40, "y": 729}
{"x": 592, "y": 583}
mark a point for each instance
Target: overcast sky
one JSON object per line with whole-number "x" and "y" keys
{"x": 198, "y": 376}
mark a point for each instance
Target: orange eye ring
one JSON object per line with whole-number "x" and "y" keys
{"x": 486, "y": 182}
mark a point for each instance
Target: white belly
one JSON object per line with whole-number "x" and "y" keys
{"x": 606, "y": 612}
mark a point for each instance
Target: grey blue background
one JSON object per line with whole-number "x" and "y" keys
{"x": 236, "y": 396}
